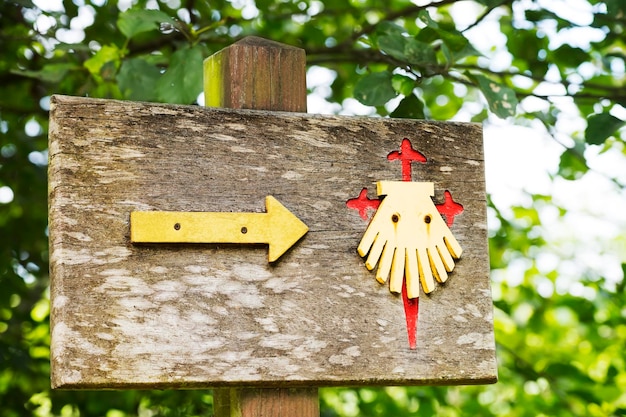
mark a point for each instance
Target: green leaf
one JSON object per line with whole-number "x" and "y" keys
{"x": 572, "y": 165}
{"x": 570, "y": 56}
{"x": 614, "y": 7}
{"x": 600, "y": 127}
{"x": 97, "y": 63}
{"x": 403, "y": 84}
{"x": 375, "y": 89}
{"x": 135, "y": 21}
{"x": 50, "y": 73}
{"x": 424, "y": 16}
{"x": 411, "y": 107}
{"x": 454, "y": 39}
{"x": 419, "y": 53}
{"x": 501, "y": 99}
{"x": 182, "y": 82}
{"x": 427, "y": 35}
{"x": 389, "y": 28}
{"x": 137, "y": 79}
{"x": 407, "y": 49}
{"x": 393, "y": 45}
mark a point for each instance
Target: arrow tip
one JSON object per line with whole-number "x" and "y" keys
{"x": 285, "y": 228}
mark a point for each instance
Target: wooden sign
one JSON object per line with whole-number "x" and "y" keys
{"x": 207, "y": 312}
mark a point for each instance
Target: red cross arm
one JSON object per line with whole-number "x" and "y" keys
{"x": 362, "y": 203}
{"x": 406, "y": 155}
{"x": 449, "y": 208}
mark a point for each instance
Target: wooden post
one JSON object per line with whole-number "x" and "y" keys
{"x": 259, "y": 74}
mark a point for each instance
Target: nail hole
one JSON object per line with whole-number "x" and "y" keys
{"x": 427, "y": 218}
{"x": 395, "y": 218}
{"x": 244, "y": 230}
{"x": 176, "y": 226}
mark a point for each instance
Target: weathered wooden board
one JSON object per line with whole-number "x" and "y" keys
{"x": 207, "y": 315}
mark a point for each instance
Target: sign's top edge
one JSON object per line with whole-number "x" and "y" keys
{"x": 57, "y": 99}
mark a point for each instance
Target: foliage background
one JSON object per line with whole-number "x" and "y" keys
{"x": 560, "y": 306}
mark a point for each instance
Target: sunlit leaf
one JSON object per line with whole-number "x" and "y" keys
{"x": 501, "y": 99}
{"x": 106, "y": 54}
{"x": 402, "y": 84}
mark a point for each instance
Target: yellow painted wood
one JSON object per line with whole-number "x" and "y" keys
{"x": 407, "y": 237}
{"x": 213, "y": 96}
{"x": 279, "y": 228}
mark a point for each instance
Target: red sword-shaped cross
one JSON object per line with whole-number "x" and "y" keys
{"x": 449, "y": 208}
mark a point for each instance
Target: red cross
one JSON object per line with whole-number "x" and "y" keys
{"x": 406, "y": 155}
{"x": 449, "y": 208}
{"x": 362, "y": 203}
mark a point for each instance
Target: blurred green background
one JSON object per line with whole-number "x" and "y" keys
{"x": 550, "y": 72}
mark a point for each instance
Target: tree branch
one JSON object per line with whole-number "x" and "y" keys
{"x": 487, "y": 13}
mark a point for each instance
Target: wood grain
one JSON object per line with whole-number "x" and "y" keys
{"x": 256, "y": 73}
{"x": 191, "y": 316}
{"x": 259, "y": 74}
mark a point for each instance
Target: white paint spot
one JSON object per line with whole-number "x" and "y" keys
{"x": 446, "y": 169}
{"x": 279, "y": 341}
{"x": 59, "y": 301}
{"x": 352, "y": 351}
{"x": 242, "y": 296}
{"x": 80, "y": 236}
{"x": 322, "y": 205}
{"x": 232, "y": 356}
{"x": 158, "y": 269}
{"x": 136, "y": 303}
{"x": 478, "y": 340}
{"x": 251, "y": 272}
{"x": 347, "y": 356}
{"x": 306, "y": 138}
{"x": 195, "y": 269}
{"x": 291, "y": 175}
{"x": 66, "y": 256}
{"x": 63, "y": 337}
{"x": 280, "y": 285}
{"x": 169, "y": 286}
{"x": 240, "y": 149}
{"x": 267, "y": 323}
{"x": 236, "y": 126}
{"x": 241, "y": 373}
{"x": 247, "y": 335}
{"x": 387, "y": 339}
{"x": 473, "y": 310}
{"x": 114, "y": 272}
{"x": 222, "y": 311}
{"x": 340, "y": 360}
{"x": 223, "y": 138}
{"x": 460, "y": 319}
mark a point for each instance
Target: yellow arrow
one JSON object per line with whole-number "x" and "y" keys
{"x": 279, "y": 228}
